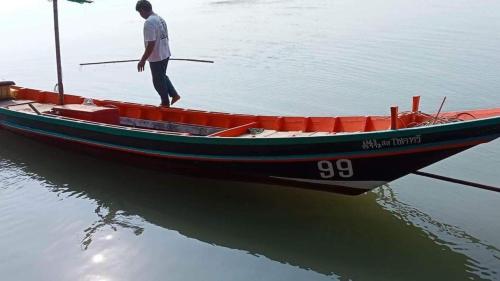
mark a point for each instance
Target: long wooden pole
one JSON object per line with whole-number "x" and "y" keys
{"x": 439, "y": 111}
{"x": 60, "y": 86}
{"x": 120, "y": 61}
{"x": 463, "y": 182}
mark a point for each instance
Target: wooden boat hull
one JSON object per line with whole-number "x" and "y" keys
{"x": 348, "y": 163}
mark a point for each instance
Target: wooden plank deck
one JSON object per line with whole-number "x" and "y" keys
{"x": 161, "y": 127}
{"x": 23, "y": 106}
{"x": 285, "y": 134}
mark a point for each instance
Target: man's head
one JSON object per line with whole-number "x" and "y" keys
{"x": 144, "y": 8}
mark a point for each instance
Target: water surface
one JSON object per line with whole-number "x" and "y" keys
{"x": 65, "y": 216}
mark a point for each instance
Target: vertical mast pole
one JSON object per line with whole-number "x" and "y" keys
{"x": 60, "y": 86}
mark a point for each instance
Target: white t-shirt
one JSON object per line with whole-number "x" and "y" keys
{"x": 155, "y": 29}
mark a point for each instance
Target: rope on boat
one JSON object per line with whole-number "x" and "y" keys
{"x": 453, "y": 180}
{"x": 431, "y": 119}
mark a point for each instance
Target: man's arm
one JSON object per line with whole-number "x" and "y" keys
{"x": 147, "y": 52}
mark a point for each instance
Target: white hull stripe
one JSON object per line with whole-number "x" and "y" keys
{"x": 351, "y": 184}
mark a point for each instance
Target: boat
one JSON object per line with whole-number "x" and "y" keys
{"x": 341, "y": 154}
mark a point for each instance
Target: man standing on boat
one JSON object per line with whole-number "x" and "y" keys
{"x": 157, "y": 52}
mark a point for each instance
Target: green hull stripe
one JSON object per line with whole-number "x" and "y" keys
{"x": 95, "y": 127}
{"x": 242, "y": 158}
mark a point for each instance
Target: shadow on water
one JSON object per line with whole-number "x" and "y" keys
{"x": 352, "y": 237}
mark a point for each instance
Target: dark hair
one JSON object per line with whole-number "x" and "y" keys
{"x": 143, "y": 5}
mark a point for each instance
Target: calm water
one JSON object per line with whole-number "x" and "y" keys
{"x": 65, "y": 216}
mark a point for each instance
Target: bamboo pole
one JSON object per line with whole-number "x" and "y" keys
{"x": 60, "y": 86}
{"x": 121, "y": 61}
{"x": 463, "y": 182}
{"x": 439, "y": 111}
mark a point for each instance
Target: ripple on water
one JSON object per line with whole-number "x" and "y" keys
{"x": 483, "y": 259}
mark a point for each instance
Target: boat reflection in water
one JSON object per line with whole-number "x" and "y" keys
{"x": 351, "y": 237}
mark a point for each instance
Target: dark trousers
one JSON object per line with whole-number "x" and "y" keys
{"x": 161, "y": 81}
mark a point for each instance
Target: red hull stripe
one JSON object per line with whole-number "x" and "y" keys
{"x": 268, "y": 159}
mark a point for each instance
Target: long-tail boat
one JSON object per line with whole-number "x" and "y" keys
{"x": 345, "y": 154}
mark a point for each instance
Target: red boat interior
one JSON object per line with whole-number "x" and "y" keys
{"x": 217, "y": 124}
